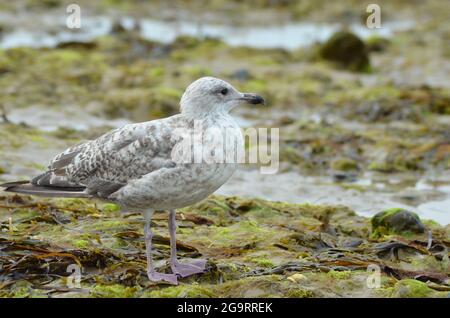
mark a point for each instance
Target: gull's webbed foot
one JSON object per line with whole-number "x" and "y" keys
{"x": 190, "y": 268}
{"x": 161, "y": 277}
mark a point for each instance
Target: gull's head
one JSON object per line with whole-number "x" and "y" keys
{"x": 209, "y": 95}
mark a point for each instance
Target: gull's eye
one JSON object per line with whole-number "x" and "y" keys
{"x": 224, "y": 91}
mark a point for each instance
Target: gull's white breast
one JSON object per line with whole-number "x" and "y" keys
{"x": 188, "y": 183}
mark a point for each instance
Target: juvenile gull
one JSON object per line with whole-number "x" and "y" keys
{"x": 134, "y": 165}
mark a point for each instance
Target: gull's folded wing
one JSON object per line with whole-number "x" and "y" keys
{"x": 102, "y": 166}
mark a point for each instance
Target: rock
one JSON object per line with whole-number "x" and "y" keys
{"x": 344, "y": 176}
{"x": 4, "y": 28}
{"x": 410, "y": 288}
{"x": 396, "y": 221}
{"x": 117, "y": 27}
{"x": 75, "y": 45}
{"x": 344, "y": 169}
{"x": 343, "y": 164}
{"x": 347, "y": 50}
{"x": 297, "y": 278}
{"x": 377, "y": 44}
{"x": 51, "y": 3}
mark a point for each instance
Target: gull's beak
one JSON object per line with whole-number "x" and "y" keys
{"x": 252, "y": 99}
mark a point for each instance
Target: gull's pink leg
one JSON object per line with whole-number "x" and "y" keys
{"x": 184, "y": 270}
{"x": 151, "y": 273}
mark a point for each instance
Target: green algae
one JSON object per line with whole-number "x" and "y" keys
{"x": 249, "y": 256}
{"x": 300, "y": 293}
{"x": 344, "y": 164}
{"x": 263, "y": 262}
{"x": 80, "y": 244}
{"x": 113, "y": 291}
{"x": 24, "y": 289}
{"x": 410, "y": 288}
{"x": 339, "y": 275}
{"x": 313, "y": 147}
{"x": 182, "y": 291}
{"x": 110, "y": 207}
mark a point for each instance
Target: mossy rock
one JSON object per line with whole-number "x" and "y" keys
{"x": 24, "y": 289}
{"x": 343, "y": 164}
{"x": 411, "y": 288}
{"x": 440, "y": 104}
{"x": 347, "y": 50}
{"x": 377, "y": 44}
{"x": 396, "y": 221}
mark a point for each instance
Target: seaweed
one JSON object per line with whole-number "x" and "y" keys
{"x": 259, "y": 252}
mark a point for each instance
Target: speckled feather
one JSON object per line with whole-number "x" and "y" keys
{"x": 107, "y": 163}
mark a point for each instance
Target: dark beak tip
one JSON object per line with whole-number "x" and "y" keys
{"x": 254, "y": 99}
{"x": 259, "y": 100}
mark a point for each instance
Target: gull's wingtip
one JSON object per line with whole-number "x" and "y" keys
{"x": 13, "y": 184}
{"x": 25, "y": 187}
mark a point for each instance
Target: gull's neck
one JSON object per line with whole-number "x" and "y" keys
{"x": 210, "y": 118}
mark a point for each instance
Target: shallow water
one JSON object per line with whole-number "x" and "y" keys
{"x": 46, "y": 119}
{"x": 366, "y": 196}
{"x": 287, "y": 36}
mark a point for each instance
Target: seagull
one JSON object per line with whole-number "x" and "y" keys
{"x": 137, "y": 166}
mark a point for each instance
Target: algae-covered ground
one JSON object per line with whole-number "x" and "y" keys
{"x": 255, "y": 248}
{"x": 370, "y": 131}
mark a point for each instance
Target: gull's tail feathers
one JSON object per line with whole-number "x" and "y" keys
{"x": 25, "y": 187}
